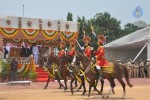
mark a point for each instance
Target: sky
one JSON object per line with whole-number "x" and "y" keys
{"x": 58, "y": 9}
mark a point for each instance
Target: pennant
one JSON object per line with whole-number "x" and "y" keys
{"x": 93, "y": 30}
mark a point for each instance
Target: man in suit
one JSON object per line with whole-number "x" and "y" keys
{"x": 26, "y": 51}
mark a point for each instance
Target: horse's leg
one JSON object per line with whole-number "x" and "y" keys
{"x": 76, "y": 84}
{"x": 80, "y": 87}
{"x": 65, "y": 81}
{"x": 112, "y": 84}
{"x": 58, "y": 80}
{"x": 83, "y": 83}
{"x": 71, "y": 87}
{"x": 47, "y": 82}
{"x": 102, "y": 85}
{"x": 89, "y": 90}
{"x": 123, "y": 86}
{"x": 95, "y": 88}
{"x": 95, "y": 84}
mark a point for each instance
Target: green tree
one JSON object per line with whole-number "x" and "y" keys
{"x": 109, "y": 26}
{"x": 69, "y": 16}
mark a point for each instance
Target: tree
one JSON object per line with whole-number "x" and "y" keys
{"x": 109, "y": 26}
{"x": 69, "y": 16}
{"x": 140, "y": 24}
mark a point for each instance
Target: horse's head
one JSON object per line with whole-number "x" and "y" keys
{"x": 76, "y": 59}
{"x": 42, "y": 61}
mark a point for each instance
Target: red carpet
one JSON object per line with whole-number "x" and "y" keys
{"x": 42, "y": 76}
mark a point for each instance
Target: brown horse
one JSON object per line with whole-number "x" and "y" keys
{"x": 52, "y": 72}
{"x": 119, "y": 70}
{"x": 61, "y": 72}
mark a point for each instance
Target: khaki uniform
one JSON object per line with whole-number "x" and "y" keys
{"x": 129, "y": 68}
{"x": 148, "y": 69}
{"x": 136, "y": 70}
{"x": 142, "y": 73}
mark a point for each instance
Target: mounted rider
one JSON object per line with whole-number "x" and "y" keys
{"x": 61, "y": 52}
{"x": 99, "y": 55}
{"x": 72, "y": 49}
{"x": 87, "y": 50}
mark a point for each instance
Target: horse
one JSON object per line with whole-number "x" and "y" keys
{"x": 92, "y": 76}
{"x": 66, "y": 69}
{"x": 60, "y": 72}
{"x": 52, "y": 72}
{"x": 72, "y": 71}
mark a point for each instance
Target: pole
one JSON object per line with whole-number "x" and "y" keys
{"x": 140, "y": 52}
{"x": 23, "y": 9}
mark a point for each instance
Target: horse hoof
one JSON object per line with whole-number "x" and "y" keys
{"x": 100, "y": 93}
{"x": 123, "y": 97}
{"x": 113, "y": 92}
{"x": 83, "y": 93}
{"x": 72, "y": 93}
{"x": 107, "y": 96}
{"x": 103, "y": 96}
{"x": 44, "y": 88}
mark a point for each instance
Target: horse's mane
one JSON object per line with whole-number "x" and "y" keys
{"x": 84, "y": 57}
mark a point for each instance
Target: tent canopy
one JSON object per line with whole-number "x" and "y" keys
{"x": 129, "y": 46}
{"x": 135, "y": 40}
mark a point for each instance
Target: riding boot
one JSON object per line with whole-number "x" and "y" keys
{"x": 99, "y": 72}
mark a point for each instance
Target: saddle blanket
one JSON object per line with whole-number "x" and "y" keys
{"x": 108, "y": 69}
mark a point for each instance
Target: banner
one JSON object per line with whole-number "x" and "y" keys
{"x": 30, "y": 23}
{"x": 68, "y": 26}
{"x": 48, "y": 24}
{"x": 8, "y": 22}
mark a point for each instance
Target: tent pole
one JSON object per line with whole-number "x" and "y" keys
{"x": 140, "y": 52}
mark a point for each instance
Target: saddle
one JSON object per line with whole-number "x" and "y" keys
{"x": 108, "y": 69}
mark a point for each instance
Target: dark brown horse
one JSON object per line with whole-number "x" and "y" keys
{"x": 61, "y": 72}
{"x": 120, "y": 72}
{"x": 49, "y": 62}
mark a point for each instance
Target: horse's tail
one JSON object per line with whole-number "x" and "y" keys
{"x": 127, "y": 76}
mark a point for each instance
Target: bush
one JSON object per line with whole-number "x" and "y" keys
{"x": 5, "y": 69}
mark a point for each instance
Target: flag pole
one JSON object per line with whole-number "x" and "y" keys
{"x": 23, "y": 9}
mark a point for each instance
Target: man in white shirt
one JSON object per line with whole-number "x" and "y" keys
{"x": 35, "y": 51}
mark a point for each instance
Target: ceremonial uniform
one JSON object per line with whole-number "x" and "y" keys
{"x": 61, "y": 53}
{"x": 99, "y": 54}
{"x": 72, "y": 50}
{"x": 100, "y": 59}
{"x": 87, "y": 49}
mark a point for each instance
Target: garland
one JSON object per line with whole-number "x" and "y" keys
{"x": 23, "y": 68}
{"x": 46, "y": 42}
{"x": 31, "y": 41}
{"x": 49, "y": 34}
{"x": 18, "y": 41}
{"x": 9, "y": 32}
{"x": 30, "y": 33}
{"x": 68, "y": 36}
